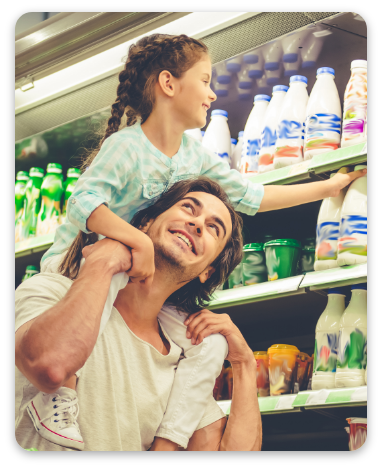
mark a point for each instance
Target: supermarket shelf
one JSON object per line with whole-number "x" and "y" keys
{"x": 329, "y": 161}
{"x": 33, "y": 245}
{"x": 310, "y": 399}
{"x": 336, "y": 277}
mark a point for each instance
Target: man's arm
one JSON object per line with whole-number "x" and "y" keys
{"x": 53, "y": 346}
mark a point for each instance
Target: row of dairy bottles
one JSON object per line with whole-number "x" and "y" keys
{"x": 40, "y": 201}
{"x": 340, "y": 352}
{"x": 341, "y": 234}
{"x": 291, "y": 126}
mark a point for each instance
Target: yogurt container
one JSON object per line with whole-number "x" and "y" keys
{"x": 254, "y": 269}
{"x": 235, "y": 278}
{"x": 262, "y": 362}
{"x": 282, "y": 369}
{"x": 282, "y": 256}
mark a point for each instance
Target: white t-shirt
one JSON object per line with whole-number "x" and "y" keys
{"x": 124, "y": 386}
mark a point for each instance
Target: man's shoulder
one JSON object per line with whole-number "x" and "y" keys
{"x": 44, "y": 282}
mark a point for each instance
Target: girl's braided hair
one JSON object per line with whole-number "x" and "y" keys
{"x": 146, "y": 59}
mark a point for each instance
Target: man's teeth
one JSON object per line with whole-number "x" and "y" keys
{"x": 184, "y": 238}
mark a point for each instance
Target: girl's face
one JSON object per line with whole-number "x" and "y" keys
{"x": 193, "y": 95}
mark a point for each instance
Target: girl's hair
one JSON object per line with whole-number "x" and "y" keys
{"x": 194, "y": 295}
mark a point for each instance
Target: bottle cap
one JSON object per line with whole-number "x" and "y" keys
{"x": 272, "y": 66}
{"x": 336, "y": 290}
{"x": 298, "y": 78}
{"x": 74, "y": 172}
{"x": 280, "y": 88}
{"x": 283, "y": 347}
{"x": 250, "y": 58}
{"x": 254, "y": 247}
{"x": 358, "y": 63}
{"x": 22, "y": 176}
{"x": 308, "y": 63}
{"x": 359, "y": 167}
{"x": 257, "y": 73}
{"x": 241, "y": 133}
{"x": 54, "y": 168}
{"x": 219, "y": 112}
{"x": 284, "y": 242}
{"x": 203, "y": 132}
{"x": 362, "y": 286}
{"x": 35, "y": 171}
{"x": 32, "y": 268}
{"x": 290, "y": 58}
{"x": 325, "y": 70}
{"x": 262, "y": 98}
{"x": 233, "y": 141}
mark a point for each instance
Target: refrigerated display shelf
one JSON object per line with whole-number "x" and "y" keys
{"x": 309, "y": 399}
{"x": 336, "y": 277}
{"x": 329, "y": 161}
{"x": 33, "y": 245}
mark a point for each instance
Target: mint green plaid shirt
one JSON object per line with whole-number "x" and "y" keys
{"x": 129, "y": 173}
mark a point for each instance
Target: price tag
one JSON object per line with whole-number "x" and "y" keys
{"x": 342, "y": 396}
{"x": 364, "y": 150}
{"x": 285, "y": 402}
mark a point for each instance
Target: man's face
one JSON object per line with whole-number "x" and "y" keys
{"x": 190, "y": 235}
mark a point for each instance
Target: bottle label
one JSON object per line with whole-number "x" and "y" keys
{"x": 223, "y": 155}
{"x": 323, "y": 131}
{"x": 268, "y": 146}
{"x": 327, "y": 237}
{"x": 290, "y": 140}
{"x": 253, "y": 148}
{"x": 262, "y": 377}
{"x": 355, "y": 108}
{"x": 352, "y": 347}
{"x": 325, "y": 352}
{"x": 353, "y": 235}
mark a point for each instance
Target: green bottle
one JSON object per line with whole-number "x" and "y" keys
{"x": 72, "y": 177}
{"x": 51, "y": 193}
{"x": 32, "y": 203}
{"x": 21, "y": 181}
{"x": 29, "y": 272}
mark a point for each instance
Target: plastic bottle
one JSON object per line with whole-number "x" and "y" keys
{"x": 355, "y": 105}
{"x": 312, "y": 48}
{"x": 352, "y": 344}
{"x": 292, "y": 68}
{"x": 262, "y": 85}
{"x": 326, "y": 343}
{"x": 71, "y": 179}
{"x": 29, "y": 272}
{"x": 269, "y": 132}
{"x": 291, "y": 44}
{"x": 323, "y": 116}
{"x": 233, "y": 145}
{"x": 244, "y": 80}
{"x": 234, "y": 65}
{"x": 51, "y": 194}
{"x": 218, "y": 137}
{"x": 243, "y": 94}
{"x": 352, "y": 242}
{"x": 21, "y": 181}
{"x": 291, "y": 128}
{"x": 32, "y": 203}
{"x": 252, "y": 134}
{"x": 328, "y": 231}
{"x": 256, "y": 69}
{"x": 272, "y": 55}
{"x": 251, "y": 58}
{"x": 235, "y": 159}
{"x": 273, "y": 76}
{"x": 195, "y": 133}
{"x": 222, "y": 74}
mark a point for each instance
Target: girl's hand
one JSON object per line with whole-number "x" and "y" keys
{"x": 143, "y": 267}
{"x": 341, "y": 180}
{"x": 205, "y": 323}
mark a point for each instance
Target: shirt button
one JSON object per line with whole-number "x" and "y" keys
{"x": 73, "y": 201}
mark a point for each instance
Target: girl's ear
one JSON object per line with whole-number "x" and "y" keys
{"x": 166, "y": 82}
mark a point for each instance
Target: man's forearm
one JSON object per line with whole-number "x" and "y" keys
{"x": 243, "y": 431}
{"x": 59, "y": 341}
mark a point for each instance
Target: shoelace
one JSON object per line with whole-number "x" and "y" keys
{"x": 66, "y": 411}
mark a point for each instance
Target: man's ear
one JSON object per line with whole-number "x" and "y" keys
{"x": 206, "y": 274}
{"x": 166, "y": 83}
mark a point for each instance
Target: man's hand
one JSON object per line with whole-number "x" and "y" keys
{"x": 115, "y": 256}
{"x": 205, "y": 323}
{"x": 341, "y": 180}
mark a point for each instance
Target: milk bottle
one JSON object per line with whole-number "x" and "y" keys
{"x": 236, "y": 154}
{"x": 233, "y": 145}
{"x": 352, "y": 242}
{"x": 218, "y": 137}
{"x": 269, "y": 132}
{"x": 352, "y": 344}
{"x": 256, "y": 69}
{"x": 195, "y": 133}
{"x": 291, "y": 128}
{"x": 272, "y": 55}
{"x": 292, "y": 68}
{"x": 291, "y": 44}
{"x": 328, "y": 231}
{"x": 323, "y": 116}
{"x": 262, "y": 86}
{"x": 252, "y": 134}
{"x": 244, "y": 80}
{"x": 326, "y": 343}
{"x": 222, "y": 75}
{"x": 355, "y": 105}
{"x": 273, "y": 76}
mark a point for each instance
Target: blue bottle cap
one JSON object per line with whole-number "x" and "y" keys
{"x": 325, "y": 70}
{"x": 290, "y": 73}
{"x": 280, "y": 88}
{"x": 233, "y": 141}
{"x": 262, "y": 98}
{"x": 245, "y": 96}
{"x": 255, "y": 73}
{"x": 219, "y": 112}
{"x": 250, "y": 58}
{"x": 298, "y": 78}
{"x": 290, "y": 58}
{"x": 362, "y": 286}
{"x": 308, "y": 63}
{"x": 241, "y": 133}
{"x": 272, "y": 66}
{"x": 245, "y": 85}
{"x": 224, "y": 79}
{"x": 272, "y": 80}
{"x": 221, "y": 93}
{"x": 233, "y": 67}
{"x": 203, "y": 132}
{"x": 336, "y": 290}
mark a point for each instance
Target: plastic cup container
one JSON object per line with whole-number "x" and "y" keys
{"x": 254, "y": 268}
{"x": 282, "y": 256}
{"x": 358, "y": 432}
{"x": 303, "y": 362}
{"x": 282, "y": 369}
{"x": 307, "y": 258}
{"x": 235, "y": 278}
{"x": 262, "y": 361}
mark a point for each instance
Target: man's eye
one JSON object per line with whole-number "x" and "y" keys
{"x": 186, "y": 204}
{"x": 216, "y": 229}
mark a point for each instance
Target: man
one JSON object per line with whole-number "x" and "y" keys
{"x": 128, "y": 372}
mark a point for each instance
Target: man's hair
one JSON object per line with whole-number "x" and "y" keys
{"x": 194, "y": 295}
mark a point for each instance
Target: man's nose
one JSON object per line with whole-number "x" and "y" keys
{"x": 197, "y": 226}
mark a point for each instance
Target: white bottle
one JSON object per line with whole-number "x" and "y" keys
{"x": 312, "y": 48}
{"x": 222, "y": 74}
{"x": 355, "y": 105}
{"x": 218, "y": 137}
{"x": 195, "y": 133}
{"x": 291, "y": 46}
{"x": 252, "y": 135}
{"x": 236, "y": 154}
{"x": 272, "y": 54}
{"x": 291, "y": 128}
{"x": 323, "y": 116}
{"x": 273, "y": 76}
{"x": 269, "y": 132}
{"x": 292, "y": 68}
{"x": 328, "y": 231}
{"x": 352, "y": 242}
{"x": 326, "y": 342}
{"x": 256, "y": 69}
{"x": 233, "y": 145}
{"x": 352, "y": 344}
{"x": 262, "y": 86}
{"x": 244, "y": 80}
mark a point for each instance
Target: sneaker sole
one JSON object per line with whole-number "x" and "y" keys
{"x": 50, "y": 435}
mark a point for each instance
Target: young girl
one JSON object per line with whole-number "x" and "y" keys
{"x": 164, "y": 90}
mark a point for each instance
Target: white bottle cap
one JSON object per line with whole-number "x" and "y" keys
{"x": 359, "y": 167}
{"x": 358, "y": 63}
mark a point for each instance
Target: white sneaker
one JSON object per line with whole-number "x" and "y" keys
{"x": 54, "y": 416}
